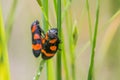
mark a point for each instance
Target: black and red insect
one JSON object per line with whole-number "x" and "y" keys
{"x": 50, "y": 43}
{"x": 44, "y": 44}
{"x": 36, "y": 38}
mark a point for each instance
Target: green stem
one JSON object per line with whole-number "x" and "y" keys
{"x": 10, "y": 19}
{"x": 69, "y": 25}
{"x": 49, "y": 67}
{"x": 67, "y": 6}
{"x": 43, "y": 11}
{"x": 39, "y": 70}
{"x": 55, "y": 6}
{"x": 90, "y": 73}
{"x": 4, "y": 61}
{"x": 89, "y": 20}
{"x": 59, "y": 77}
{"x": 45, "y": 15}
{"x": 50, "y": 70}
{"x": 65, "y": 62}
{"x": 44, "y": 7}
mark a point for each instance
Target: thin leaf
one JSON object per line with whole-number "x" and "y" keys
{"x": 112, "y": 27}
{"x": 66, "y": 9}
{"x": 43, "y": 11}
{"x": 59, "y": 76}
{"x": 55, "y": 6}
{"x": 39, "y": 70}
{"x": 89, "y": 20}
{"x": 65, "y": 61}
{"x": 10, "y": 19}
{"x": 90, "y": 73}
{"x": 4, "y": 62}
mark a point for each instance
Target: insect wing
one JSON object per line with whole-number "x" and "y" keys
{"x": 36, "y": 38}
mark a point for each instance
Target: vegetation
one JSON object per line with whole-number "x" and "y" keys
{"x": 88, "y": 45}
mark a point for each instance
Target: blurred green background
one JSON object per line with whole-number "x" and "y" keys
{"x": 23, "y": 64}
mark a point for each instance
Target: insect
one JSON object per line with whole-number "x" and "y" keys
{"x": 50, "y": 43}
{"x": 36, "y": 38}
{"x": 45, "y": 44}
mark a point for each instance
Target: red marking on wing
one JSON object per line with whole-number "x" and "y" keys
{"x": 36, "y": 36}
{"x": 52, "y": 41}
{"x": 36, "y": 46}
{"x": 53, "y": 48}
{"x": 34, "y": 28}
{"x": 47, "y": 54}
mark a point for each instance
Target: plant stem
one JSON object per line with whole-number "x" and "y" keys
{"x": 44, "y": 7}
{"x": 59, "y": 77}
{"x": 39, "y": 70}
{"x": 69, "y": 25}
{"x": 49, "y": 67}
{"x": 55, "y": 6}
{"x": 65, "y": 62}
{"x": 89, "y": 20}
{"x": 45, "y": 10}
{"x": 4, "y": 61}
{"x": 67, "y": 6}
{"x": 50, "y": 70}
{"x": 90, "y": 73}
{"x": 10, "y": 19}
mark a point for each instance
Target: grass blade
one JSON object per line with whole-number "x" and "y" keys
{"x": 67, "y": 6}
{"x": 45, "y": 17}
{"x": 89, "y": 20}
{"x": 43, "y": 11}
{"x": 10, "y": 19}
{"x": 39, "y": 70}
{"x": 112, "y": 26}
{"x": 55, "y": 6}
{"x": 4, "y": 64}
{"x": 45, "y": 14}
{"x": 44, "y": 7}
{"x": 90, "y": 73}
{"x": 114, "y": 20}
{"x": 65, "y": 62}
{"x": 70, "y": 25}
{"x": 50, "y": 69}
{"x": 59, "y": 77}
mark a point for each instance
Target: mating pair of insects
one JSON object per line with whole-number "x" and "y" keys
{"x": 44, "y": 44}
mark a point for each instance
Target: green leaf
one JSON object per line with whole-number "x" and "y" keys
{"x": 59, "y": 76}
{"x": 4, "y": 62}
{"x": 90, "y": 73}
{"x": 39, "y": 70}
{"x": 10, "y": 19}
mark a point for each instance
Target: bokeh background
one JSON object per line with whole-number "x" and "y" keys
{"x": 23, "y": 64}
